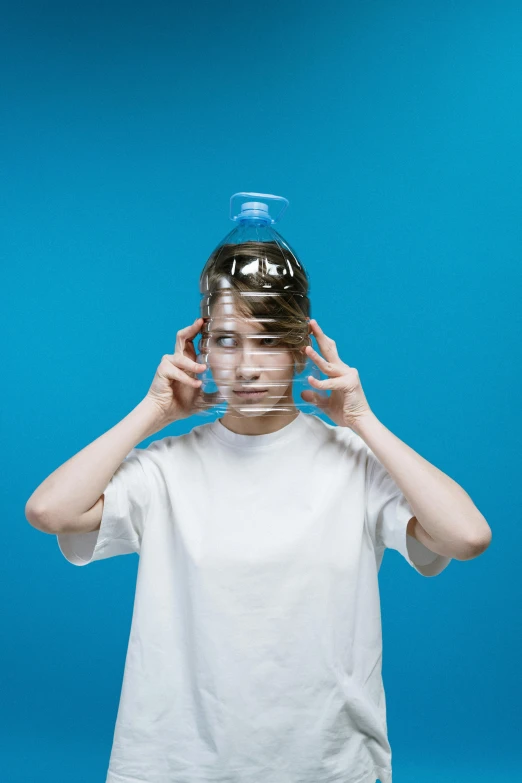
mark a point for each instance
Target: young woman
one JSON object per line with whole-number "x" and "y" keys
{"x": 255, "y": 649}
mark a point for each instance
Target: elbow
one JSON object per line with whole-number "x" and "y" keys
{"x": 477, "y": 545}
{"x": 38, "y": 517}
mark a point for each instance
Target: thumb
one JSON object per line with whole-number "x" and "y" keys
{"x": 212, "y": 398}
{"x": 314, "y": 398}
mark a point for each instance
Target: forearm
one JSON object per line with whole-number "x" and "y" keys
{"x": 73, "y": 488}
{"x": 442, "y": 507}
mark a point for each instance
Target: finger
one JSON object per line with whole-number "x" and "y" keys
{"x": 180, "y": 360}
{"x": 329, "y": 368}
{"x": 171, "y": 372}
{"x": 192, "y": 329}
{"x": 316, "y": 399}
{"x": 326, "y": 344}
{"x": 187, "y": 334}
{"x": 211, "y": 398}
{"x": 207, "y": 399}
{"x": 328, "y": 383}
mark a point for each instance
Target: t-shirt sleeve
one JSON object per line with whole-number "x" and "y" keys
{"x": 388, "y": 513}
{"x": 126, "y": 502}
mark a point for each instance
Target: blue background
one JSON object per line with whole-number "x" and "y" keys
{"x": 394, "y": 129}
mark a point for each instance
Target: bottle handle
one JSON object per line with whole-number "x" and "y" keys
{"x": 248, "y": 195}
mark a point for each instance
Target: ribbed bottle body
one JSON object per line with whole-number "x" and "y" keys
{"x": 255, "y": 305}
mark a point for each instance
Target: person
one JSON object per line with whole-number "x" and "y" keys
{"x": 255, "y": 648}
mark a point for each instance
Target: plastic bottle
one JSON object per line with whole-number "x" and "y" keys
{"x": 254, "y": 301}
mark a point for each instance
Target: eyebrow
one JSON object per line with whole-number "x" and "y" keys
{"x": 229, "y": 331}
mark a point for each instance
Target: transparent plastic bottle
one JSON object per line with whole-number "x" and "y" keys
{"x": 254, "y": 301}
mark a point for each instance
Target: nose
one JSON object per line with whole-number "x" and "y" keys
{"x": 248, "y": 360}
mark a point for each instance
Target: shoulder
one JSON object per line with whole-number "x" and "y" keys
{"x": 163, "y": 449}
{"x": 353, "y": 448}
{"x": 332, "y": 431}
{"x": 343, "y": 438}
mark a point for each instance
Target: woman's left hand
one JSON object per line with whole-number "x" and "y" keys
{"x": 347, "y": 403}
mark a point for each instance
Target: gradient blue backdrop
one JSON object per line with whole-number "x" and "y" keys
{"x": 394, "y": 129}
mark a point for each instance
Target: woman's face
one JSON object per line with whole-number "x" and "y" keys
{"x": 242, "y": 357}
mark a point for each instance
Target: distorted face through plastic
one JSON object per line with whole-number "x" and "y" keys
{"x": 252, "y": 368}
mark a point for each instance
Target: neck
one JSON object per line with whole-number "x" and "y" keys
{"x": 258, "y": 425}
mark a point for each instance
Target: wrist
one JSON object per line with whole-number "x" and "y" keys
{"x": 364, "y": 423}
{"x": 149, "y": 416}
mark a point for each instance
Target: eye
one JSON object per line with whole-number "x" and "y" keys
{"x": 225, "y": 337}
{"x": 272, "y": 341}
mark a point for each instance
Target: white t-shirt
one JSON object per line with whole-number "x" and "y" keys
{"x": 255, "y": 649}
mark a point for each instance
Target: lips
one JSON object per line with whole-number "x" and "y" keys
{"x": 250, "y": 392}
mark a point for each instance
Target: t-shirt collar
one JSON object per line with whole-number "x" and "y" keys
{"x": 256, "y": 441}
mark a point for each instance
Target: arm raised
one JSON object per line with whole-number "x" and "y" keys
{"x": 71, "y": 498}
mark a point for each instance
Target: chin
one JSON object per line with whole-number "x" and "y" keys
{"x": 263, "y": 407}
{"x": 250, "y": 412}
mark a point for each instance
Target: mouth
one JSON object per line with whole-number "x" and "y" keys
{"x": 250, "y": 393}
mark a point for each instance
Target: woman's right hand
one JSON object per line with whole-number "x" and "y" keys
{"x": 175, "y": 390}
